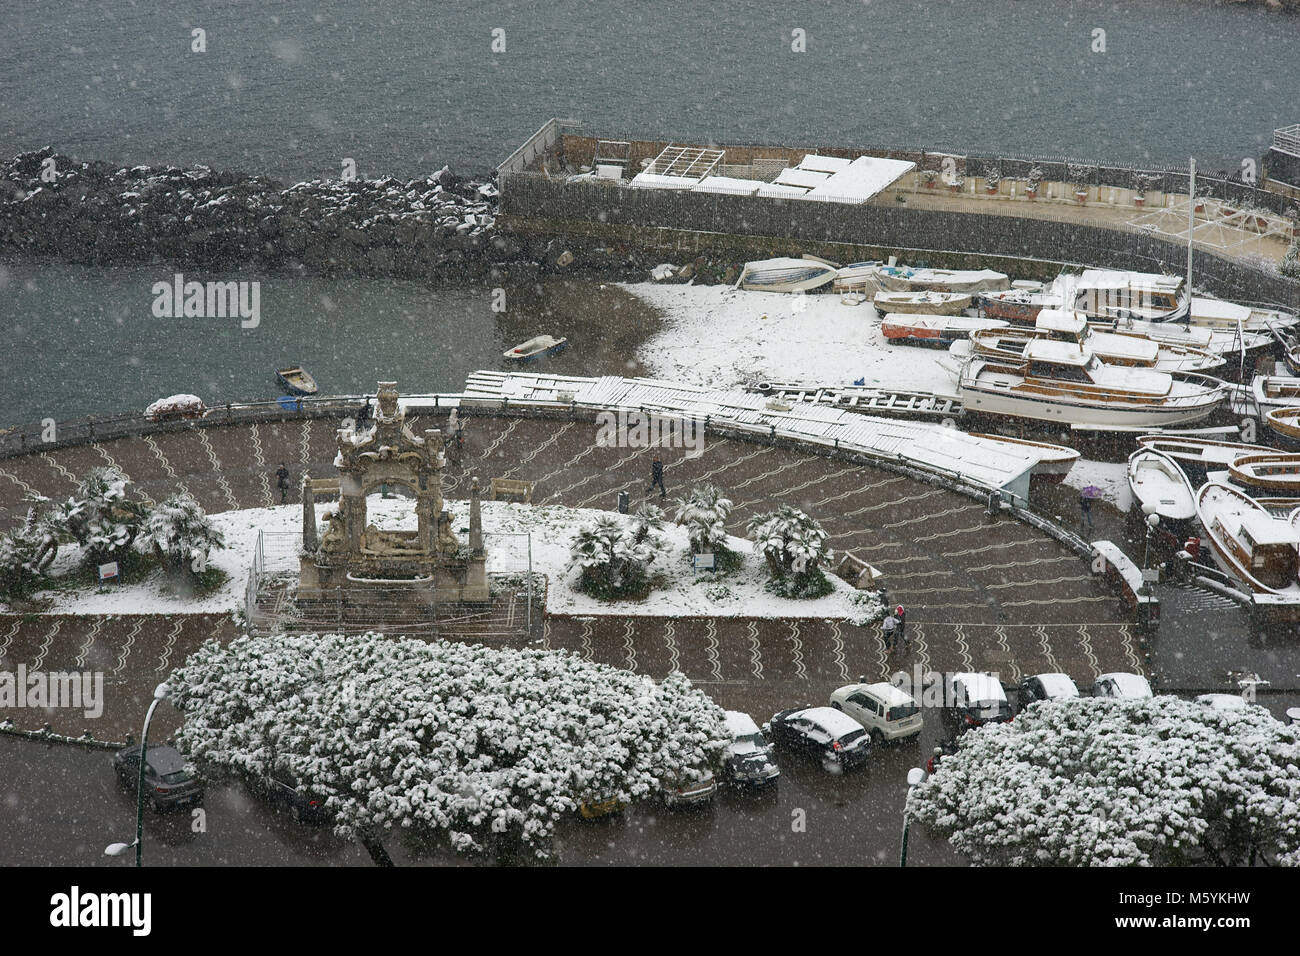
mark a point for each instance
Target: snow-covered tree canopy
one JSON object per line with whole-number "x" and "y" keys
{"x": 611, "y": 562}
{"x": 430, "y": 737}
{"x": 704, "y": 514}
{"x": 1093, "y": 781}
{"x": 102, "y": 516}
{"x": 180, "y": 533}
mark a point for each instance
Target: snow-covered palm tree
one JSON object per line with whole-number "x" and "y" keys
{"x": 179, "y": 534}
{"x": 704, "y": 513}
{"x": 794, "y": 546}
{"x": 611, "y": 563}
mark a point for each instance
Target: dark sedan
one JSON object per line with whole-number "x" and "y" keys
{"x": 282, "y": 788}
{"x": 829, "y": 735}
{"x": 166, "y": 781}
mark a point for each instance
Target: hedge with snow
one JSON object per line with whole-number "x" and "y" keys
{"x": 1119, "y": 783}
{"x": 430, "y": 737}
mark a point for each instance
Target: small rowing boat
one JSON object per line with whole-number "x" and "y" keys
{"x": 785, "y": 274}
{"x": 924, "y": 303}
{"x": 535, "y": 348}
{"x": 1255, "y": 548}
{"x": 905, "y": 279}
{"x": 1275, "y": 391}
{"x": 1196, "y": 455}
{"x": 904, "y": 329}
{"x": 1161, "y": 487}
{"x": 1285, "y": 424}
{"x": 1278, "y": 473}
{"x": 296, "y": 381}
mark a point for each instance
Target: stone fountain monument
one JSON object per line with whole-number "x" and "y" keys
{"x": 370, "y": 575}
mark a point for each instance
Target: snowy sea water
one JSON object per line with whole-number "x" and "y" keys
{"x": 292, "y": 88}
{"x": 84, "y": 340}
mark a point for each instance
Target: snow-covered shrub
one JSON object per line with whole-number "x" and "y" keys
{"x": 480, "y": 744}
{"x": 25, "y": 554}
{"x": 611, "y": 564}
{"x": 1100, "y": 782}
{"x": 1290, "y": 266}
{"x": 102, "y": 517}
{"x": 180, "y": 535}
{"x": 794, "y": 546}
{"x": 868, "y": 608}
{"x": 646, "y": 520}
{"x": 704, "y": 513}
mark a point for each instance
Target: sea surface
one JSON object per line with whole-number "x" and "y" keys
{"x": 402, "y": 86}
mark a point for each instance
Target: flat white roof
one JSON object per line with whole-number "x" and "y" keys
{"x": 801, "y": 177}
{"x": 861, "y": 179}
{"x": 781, "y": 191}
{"x": 824, "y": 164}
{"x": 655, "y": 181}
{"x": 729, "y": 184}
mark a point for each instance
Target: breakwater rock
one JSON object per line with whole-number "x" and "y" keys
{"x": 97, "y": 213}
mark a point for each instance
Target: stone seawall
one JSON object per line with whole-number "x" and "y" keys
{"x": 96, "y": 213}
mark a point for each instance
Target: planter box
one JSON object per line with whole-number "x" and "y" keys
{"x": 1081, "y": 195}
{"x": 1139, "y": 201}
{"x": 992, "y": 190}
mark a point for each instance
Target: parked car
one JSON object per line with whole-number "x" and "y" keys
{"x": 281, "y": 788}
{"x": 690, "y": 792}
{"x": 829, "y": 735}
{"x": 594, "y": 809}
{"x": 1225, "y": 702}
{"x": 1045, "y": 687}
{"x": 167, "y": 782}
{"x": 748, "y": 760}
{"x": 973, "y": 700}
{"x": 888, "y": 712}
{"x": 1122, "y": 686}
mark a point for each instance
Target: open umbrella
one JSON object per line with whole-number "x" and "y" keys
{"x": 1091, "y": 491}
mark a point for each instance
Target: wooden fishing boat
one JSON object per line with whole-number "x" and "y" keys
{"x": 1256, "y": 549}
{"x": 1195, "y": 455}
{"x": 1291, "y": 354}
{"x": 1054, "y": 461}
{"x": 296, "y": 381}
{"x": 1276, "y": 473}
{"x": 535, "y": 348}
{"x": 1275, "y": 391}
{"x": 1124, "y": 350}
{"x": 1017, "y": 305}
{"x": 786, "y": 274}
{"x": 905, "y": 279}
{"x": 1160, "y": 486}
{"x": 904, "y": 329}
{"x": 1058, "y": 382}
{"x": 1114, "y": 294}
{"x": 1285, "y": 424}
{"x": 925, "y": 303}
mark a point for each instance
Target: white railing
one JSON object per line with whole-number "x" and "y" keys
{"x": 545, "y": 138}
{"x": 1287, "y": 139}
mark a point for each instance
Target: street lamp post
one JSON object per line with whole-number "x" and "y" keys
{"x": 117, "y": 849}
{"x": 914, "y": 776}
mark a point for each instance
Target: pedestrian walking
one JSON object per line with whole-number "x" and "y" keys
{"x": 657, "y": 478}
{"x": 888, "y": 629}
{"x": 1085, "y": 510}
{"x": 901, "y": 616}
{"x": 282, "y": 482}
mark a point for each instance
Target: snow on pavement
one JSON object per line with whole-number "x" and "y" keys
{"x": 721, "y": 337}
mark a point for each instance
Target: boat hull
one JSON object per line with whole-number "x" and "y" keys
{"x": 996, "y": 401}
{"x": 298, "y": 384}
{"x": 909, "y": 303}
{"x": 1284, "y": 424}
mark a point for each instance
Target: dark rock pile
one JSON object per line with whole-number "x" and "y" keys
{"x": 101, "y": 214}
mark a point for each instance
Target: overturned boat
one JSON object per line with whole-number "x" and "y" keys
{"x": 905, "y": 279}
{"x": 786, "y": 274}
{"x": 535, "y": 348}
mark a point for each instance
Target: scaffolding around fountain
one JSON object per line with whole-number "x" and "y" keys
{"x": 389, "y": 576}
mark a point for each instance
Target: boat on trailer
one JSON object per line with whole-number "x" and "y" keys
{"x": 535, "y": 348}
{"x": 1276, "y": 474}
{"x": 1124, "y": 350}
{"x": 1285, "y": 424}
{"x": 1259, "y": 551}
{"x": 1158, "y": 484}
{"x": 296, "y": 380}
{"x": 786, "y": 274}
{"x": 915, "y": 329}
{"x": 1196, "y": 455}
{"x": 1058, "y": 382}
{"x": 906, "y": 279}
{"x": 925, "y": 303}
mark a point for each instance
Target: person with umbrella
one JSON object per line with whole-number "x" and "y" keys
{"x": 1085, "y": 504}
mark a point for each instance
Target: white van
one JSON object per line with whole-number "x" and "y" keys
{"x": 888, "y": 712}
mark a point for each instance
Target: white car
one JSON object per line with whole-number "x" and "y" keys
{"x": 973, "y": 700}
{"x": 888, "y": 712}
{"x": 1045, "y": 687}
{"x": 1225, "y": 702}
{"x": 1122, "y": 686}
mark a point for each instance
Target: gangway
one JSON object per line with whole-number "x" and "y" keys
{"x": 865, "y": 399}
